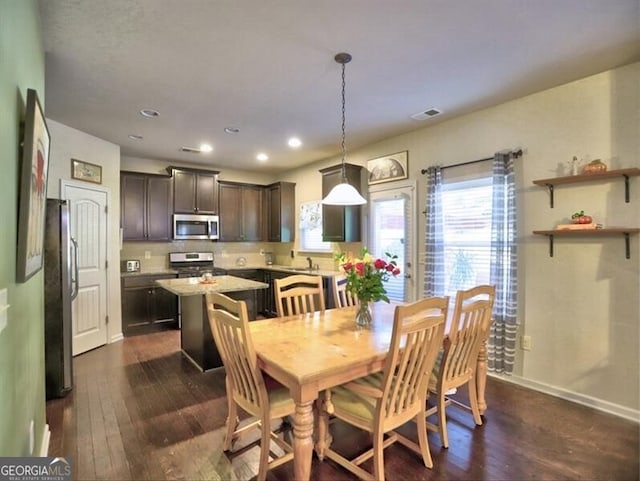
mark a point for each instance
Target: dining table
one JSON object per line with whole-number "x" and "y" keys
{"x": 313, "y": 352}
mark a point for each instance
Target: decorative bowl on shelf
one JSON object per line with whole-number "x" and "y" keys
{"x": 595, "y": 167}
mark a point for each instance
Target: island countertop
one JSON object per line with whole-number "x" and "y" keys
{"x": 193, "y": 286}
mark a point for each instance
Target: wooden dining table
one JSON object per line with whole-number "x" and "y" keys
{"x": 310, "y": 353}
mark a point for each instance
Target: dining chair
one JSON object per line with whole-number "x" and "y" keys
{"x": 381, "y": 402}
{"x": 456, "y": 366}
{"x": 341, "y": 296}
{"x": 298, "y": 294}
{"x": 256, "y": 393}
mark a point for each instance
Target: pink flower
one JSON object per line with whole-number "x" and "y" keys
{"x": 347, "y": 266}
{"x": 389, "y": 267}
{"x": 396, "y": 271}
{"x": 360, "y": 268}
{"x": 380, "y": 264}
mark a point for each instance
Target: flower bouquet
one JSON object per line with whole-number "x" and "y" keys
{"x": 366, "y": 276}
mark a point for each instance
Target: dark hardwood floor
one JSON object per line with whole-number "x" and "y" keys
{"x": 140, "y": 411}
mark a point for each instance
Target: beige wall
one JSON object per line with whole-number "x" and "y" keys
{"x": 68, "y": 143}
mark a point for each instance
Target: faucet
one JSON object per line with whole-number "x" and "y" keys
{"x": 310, "y": 263}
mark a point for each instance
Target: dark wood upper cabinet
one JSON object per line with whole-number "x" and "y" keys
{"x": 241, "y": 212}
{"x": 195, "y": 191}
{"x": 341, "y": 223}
{"x": 281, "y": 204}
{"x": 145, "y": 206}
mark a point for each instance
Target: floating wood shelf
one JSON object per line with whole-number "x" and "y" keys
{"x": 610, "y": 231}
{"x": 624, "y": 174}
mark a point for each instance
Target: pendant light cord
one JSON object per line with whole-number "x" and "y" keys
{"x": 344, "y": 150}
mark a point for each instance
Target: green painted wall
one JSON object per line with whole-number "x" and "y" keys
{"x": 22, "y": 397}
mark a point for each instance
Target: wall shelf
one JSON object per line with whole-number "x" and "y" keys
{"x": 611, "y": 231}
{"x": 624, "y": 174}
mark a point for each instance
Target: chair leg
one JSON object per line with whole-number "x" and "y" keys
{"x": 232, "y": 420}
{"x": 378, "y": 456}
{"x": 265, "y": 443}
{"x": 442, "y": 419}
{"x": 422, "y": 438}
{"x": 473, "y": 401}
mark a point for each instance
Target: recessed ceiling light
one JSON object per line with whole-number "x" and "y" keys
{"x": 135, "y": 137}
{"x": 231, "y": 130}
{"x": 205, "y": 148}
{"x": 294, "y": 142}
{"x": 262, "y": 157}
{"x": 150, "y": 113}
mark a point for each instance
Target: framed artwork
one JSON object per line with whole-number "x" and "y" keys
{"x": 82, "y": 170}
{"x": 33, "y": 190}
{"x": 388, "y": 167}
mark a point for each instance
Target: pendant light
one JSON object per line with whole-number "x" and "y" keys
{"x": 343, "y": 193}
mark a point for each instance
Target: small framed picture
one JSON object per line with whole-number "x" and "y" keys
{"x": 388, "y": 168}
{"x": 82, "y": 170}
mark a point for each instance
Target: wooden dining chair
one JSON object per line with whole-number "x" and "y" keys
{"x": 380, "y": 403}
{"x": 456, "y": 366}
{"x": 298, "y": 294}
{"x": 341, "y": 296}
{"x": 256, "y": 393}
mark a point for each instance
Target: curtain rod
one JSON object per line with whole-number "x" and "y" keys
{"x": 516, "y": 154}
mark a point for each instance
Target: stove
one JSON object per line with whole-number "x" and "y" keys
{"x": 193, "y": 264}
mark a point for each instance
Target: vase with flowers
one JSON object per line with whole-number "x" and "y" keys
{"x": 366, "y": 276}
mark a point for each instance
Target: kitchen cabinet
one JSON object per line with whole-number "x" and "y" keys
{"x": 255, "y": 299}
{"x": 241, "y": 212}
{"x": 147, "y": 307}
{"x": 145, "y": 206}
{"x": 195, "y": 191}
{"x": 610, "y": 176}
{"x": 341, "y": 223}
{"x": 280, "y": 219}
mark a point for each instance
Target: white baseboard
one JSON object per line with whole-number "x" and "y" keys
{"x": 44, "y": 447}
{"x": 116, "y": 338}
{"x": 589, "y": 401}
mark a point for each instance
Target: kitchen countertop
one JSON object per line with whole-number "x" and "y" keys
{"x": 293, "y": 270}
{"x": 192, "y": 286}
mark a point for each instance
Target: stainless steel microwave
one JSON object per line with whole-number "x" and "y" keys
{"x": 193, "y": 226}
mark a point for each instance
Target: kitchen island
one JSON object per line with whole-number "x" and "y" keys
{"x": 196, "y": 340}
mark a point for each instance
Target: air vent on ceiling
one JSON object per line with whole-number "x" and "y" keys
{"x": 427, "y": 114}
{"x": 190, "y": 150}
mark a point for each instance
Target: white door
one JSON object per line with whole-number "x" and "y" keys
{"x": 392, "y": 214}
{"x": 88, "y": 222}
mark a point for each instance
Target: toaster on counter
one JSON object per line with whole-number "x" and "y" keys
{"x": 130, "y": 266}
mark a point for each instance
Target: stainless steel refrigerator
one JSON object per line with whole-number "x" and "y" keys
{"x": 60, "y": 288}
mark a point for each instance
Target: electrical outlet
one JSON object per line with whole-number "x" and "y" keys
{"x": 525, "y": 342}
{"x": 261, "y": 252}
{"x": 147, "y": 254}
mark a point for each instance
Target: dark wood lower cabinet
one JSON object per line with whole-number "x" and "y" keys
{"x": 196, "y": 340}
{"x": 147, "y": 307}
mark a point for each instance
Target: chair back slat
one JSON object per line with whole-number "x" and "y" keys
{"x": 417, "y": 336}
{"x": 469, "y": 329}
{"x": 229, "y": 324}
{"x": 299, "y": 294}
{"x": 341, "y": 296}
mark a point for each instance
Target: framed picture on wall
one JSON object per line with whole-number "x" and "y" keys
{"x": 82, "y": 170}
{"x": 33, "y": 190}
{"x": 388, "y": 168}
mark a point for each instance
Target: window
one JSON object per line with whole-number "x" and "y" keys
{"x": 466, "y": 215}
{"x": 311, "y": 228}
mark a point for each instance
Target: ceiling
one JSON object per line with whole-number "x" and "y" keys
{"x": 267, "y": 68}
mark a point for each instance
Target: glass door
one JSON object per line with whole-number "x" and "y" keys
{"x": 392, "y": 221}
